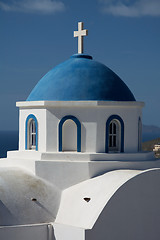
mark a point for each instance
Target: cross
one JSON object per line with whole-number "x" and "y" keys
{"x": 80, "y": 34}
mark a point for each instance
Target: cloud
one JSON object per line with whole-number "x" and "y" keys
{"x": 131, "y": 8}
{"x": 33, "y": 6}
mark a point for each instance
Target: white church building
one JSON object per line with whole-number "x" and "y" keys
{"x": 80, "y": 173}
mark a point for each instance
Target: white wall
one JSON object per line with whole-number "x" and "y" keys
{"x": 65, "y": 173}
{"x": 64, "y": 232}
{"x": 40, "y": 114}
{"x": 52, "y": 132}
{"x": 93, "y": 124}
{"x": 30, "y": 232}
{"x": 45, "y": 231}
{"x": 133, "y": 212}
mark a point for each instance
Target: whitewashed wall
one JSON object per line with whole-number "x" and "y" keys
{"x": 93, "y": 124}
{"x": 66, "y": 232}
{"x": 133, "y": 212}
{"x": 40, "y": 114}
{"x": 28, "y": 232}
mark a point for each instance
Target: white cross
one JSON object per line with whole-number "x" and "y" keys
{"x": 80, "y": 34}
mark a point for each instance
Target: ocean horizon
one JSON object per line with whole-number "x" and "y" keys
{"x": 9, "y": 141}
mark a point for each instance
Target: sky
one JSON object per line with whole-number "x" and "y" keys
{"x": 36, "y": 35}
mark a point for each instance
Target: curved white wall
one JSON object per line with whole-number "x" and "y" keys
{"x": 133, "y": 212}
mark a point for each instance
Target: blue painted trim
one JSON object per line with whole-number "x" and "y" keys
{"x": 116, "y": 117}
{"x": 139, "y": 134}
{"x": 31, "y": 116}
{"x": 77, "y": 122}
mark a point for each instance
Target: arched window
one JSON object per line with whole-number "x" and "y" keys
{"x": 114, "y": 134}
{"x": 31, "y": 133}
{"x": 69, "y": 134}
{"x": 139, "y": 134}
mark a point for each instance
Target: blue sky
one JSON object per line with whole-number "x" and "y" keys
{"x": 36, "y": 35}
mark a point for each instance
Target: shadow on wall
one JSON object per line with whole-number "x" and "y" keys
{"x": 133, "y": 212}
{"x": 8, "y": 142}
{"x": 36, "y": 232}
{"x": 5, "y": 213}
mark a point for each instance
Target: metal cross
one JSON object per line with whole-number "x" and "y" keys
{"x": 80, "y": 34}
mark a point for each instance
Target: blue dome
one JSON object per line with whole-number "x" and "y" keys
{"x": 80, "y": 78}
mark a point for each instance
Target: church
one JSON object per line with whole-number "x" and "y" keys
{"x": 79, "y": 172}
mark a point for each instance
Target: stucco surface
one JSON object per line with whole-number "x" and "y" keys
{"x": 25, "y": 198}
{"x": 98, "y": 192}
{"x": 121, "y": 204}
{"x": 26, "y": 232}
{"x": 133, "y": 212}
{"x": 75, "y": 211}
{"x": 93, "y": 124}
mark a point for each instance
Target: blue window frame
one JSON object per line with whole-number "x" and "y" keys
{"x": 114, "y": 134}
{"x": 31, "y": 133}
{"x": 139, "y": 134}
{"x": 78, "y": 124}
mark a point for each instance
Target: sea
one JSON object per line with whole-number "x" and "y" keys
{"x": 9, "y": 140}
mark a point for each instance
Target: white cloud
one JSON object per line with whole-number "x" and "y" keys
{"x": 131, "y": 8}
{"x": 32, "y": 6}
